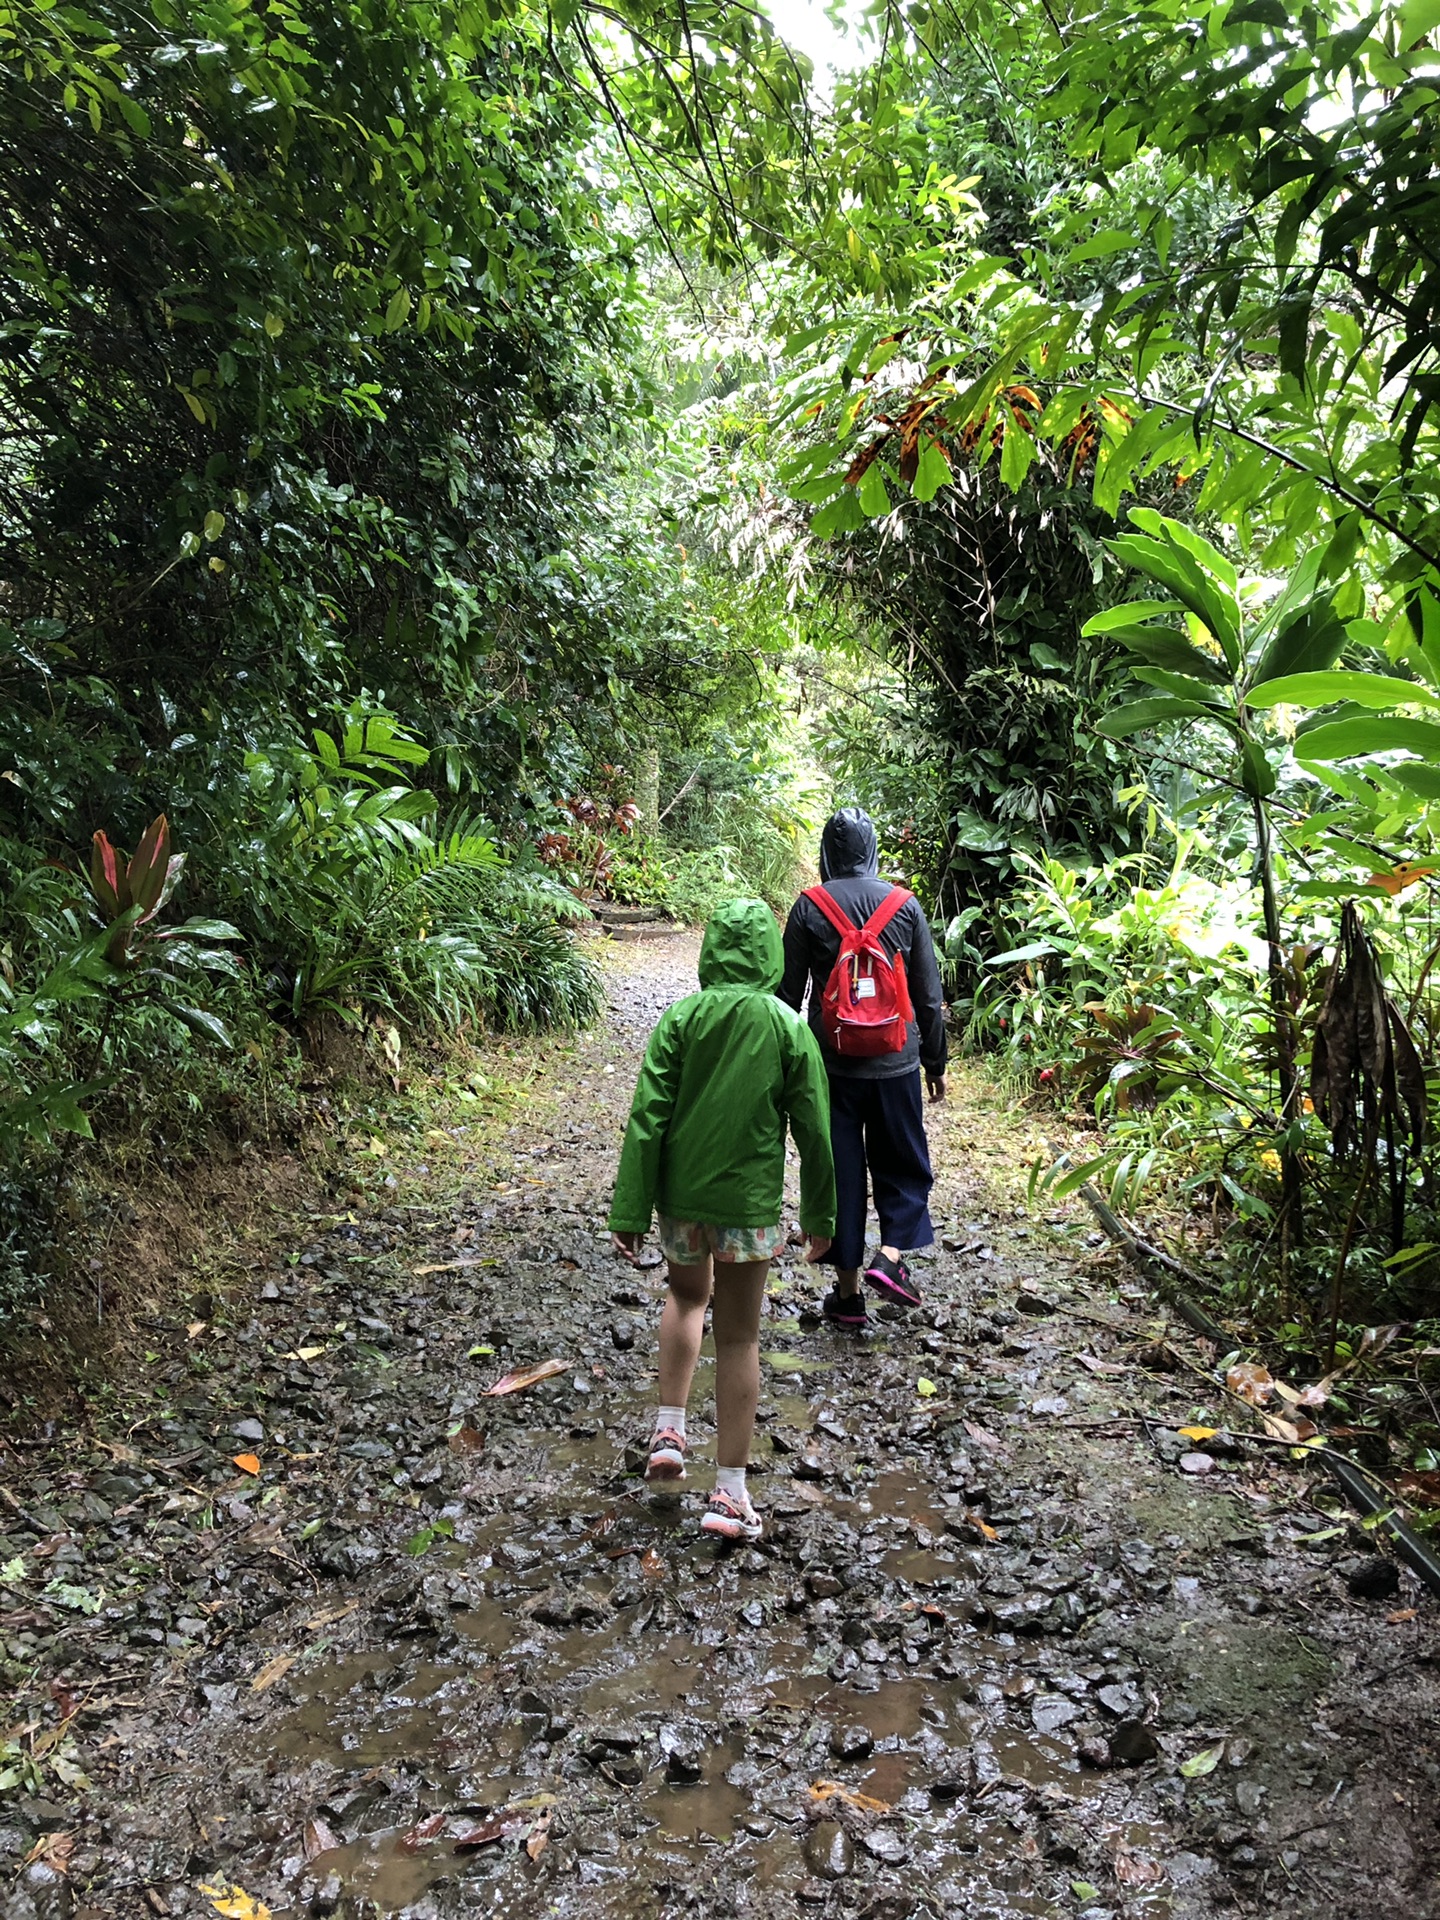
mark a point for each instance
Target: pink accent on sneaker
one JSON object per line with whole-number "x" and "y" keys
{"x": 891, "y": 1278}
{"x": 667, "y": 1456}
{"x": 730, "y": 1518}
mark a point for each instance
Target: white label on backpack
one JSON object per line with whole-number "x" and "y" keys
{"x": 865, "y": 987}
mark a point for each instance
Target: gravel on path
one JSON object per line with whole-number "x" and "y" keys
{"x": 336, "y": 1630}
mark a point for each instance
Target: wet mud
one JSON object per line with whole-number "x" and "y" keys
{"x": 998, "y": 1655}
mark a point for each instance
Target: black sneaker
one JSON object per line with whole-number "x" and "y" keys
{"x": 845, "y": 1309}
{"x": 891, "y": 1278}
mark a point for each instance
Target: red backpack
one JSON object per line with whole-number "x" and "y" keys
{"x": 866, "y": 1003}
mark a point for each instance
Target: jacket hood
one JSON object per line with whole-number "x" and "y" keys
{"x": 848, "y": 847}
{"x": 742, "y": 947}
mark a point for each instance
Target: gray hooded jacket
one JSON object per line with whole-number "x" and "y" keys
{"x": 850, "y": 869}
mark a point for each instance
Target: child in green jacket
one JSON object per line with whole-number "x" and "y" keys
{"x": 724, "y": 1072}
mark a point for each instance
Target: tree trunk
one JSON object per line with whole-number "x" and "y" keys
{"x": 1291, "y": 1179}
{"x": 647, "y": 787}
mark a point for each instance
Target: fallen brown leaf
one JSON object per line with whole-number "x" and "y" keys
{"x": 52, "y": 1850}
{"x": 539, "y": 1837}
{"x": 485, "y": 1835}
{"x": 527, "y": 1377}
{"x": 467, "y": 1440}
{"x": 1136, "y": 1869}
{"x": 1399, "y": 1618}
{"x": 979, "y": 1435}
{"x": 331, "y": 1615}
{"x": 247, "y": 1462}
{"x": 421, "y": 1834}
{"x": 652, "y": 1566}
{"x": 824, "y": 1790}
{"x": 318, "y": 1838}
{"x": 273, "y": 1670}
{"x": 1250, "y": 1382}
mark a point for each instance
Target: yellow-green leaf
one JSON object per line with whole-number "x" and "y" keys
{"x": 926, "y": 1388}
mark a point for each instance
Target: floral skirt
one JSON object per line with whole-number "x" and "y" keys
{"x": 686, "y": 1243}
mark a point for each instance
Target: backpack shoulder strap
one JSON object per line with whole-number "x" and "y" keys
{"x": 887, "y": 910}
{"x": 831, "y": 908}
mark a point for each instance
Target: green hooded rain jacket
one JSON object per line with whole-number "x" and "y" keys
{"x": 725, "y": 1069}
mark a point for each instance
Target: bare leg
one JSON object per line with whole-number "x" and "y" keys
{"x": 739, "y": 1294}
{"x": 682, "y": 1327}
{"x": 847, "y": 1282}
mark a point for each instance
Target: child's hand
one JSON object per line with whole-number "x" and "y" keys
{"x": 935, "y": 1086}
{"x": 817, "y": 1246}
{"x": 628, "y": 1246}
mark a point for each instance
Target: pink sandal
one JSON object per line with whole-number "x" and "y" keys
{"x": 667, "y": 1455}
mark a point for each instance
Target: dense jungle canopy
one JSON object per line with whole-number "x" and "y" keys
{"x": 462, "y": 459}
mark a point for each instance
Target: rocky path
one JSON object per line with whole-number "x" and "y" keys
{"x": 317, "y": 1624}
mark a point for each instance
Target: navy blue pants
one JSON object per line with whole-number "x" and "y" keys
{"x": 878, "y": 1127}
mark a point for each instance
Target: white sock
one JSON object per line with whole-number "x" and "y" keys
{"x": 731, "y": 1480}
{"x": 672, "y": 1417}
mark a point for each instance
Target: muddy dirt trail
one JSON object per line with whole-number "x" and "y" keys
{"x": 329, "y": 1626}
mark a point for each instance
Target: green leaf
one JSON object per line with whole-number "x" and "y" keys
{"x": 1016, "y": 454}
{"x": 1130, "y": 615}
{"x": 1380, "y": 733}
{"x": 397, "y": 312}
{"x": 1100, "y": 245}
{"x": 1415, "y": 777}
{"x": 843, "y": 514}
{"x": 214, "y": 525}
{"x": 1140, "y": 714}
{"x": 1175, "y": 654}
{"x": 1378, "y": 690}
{"x": 207, "y": 1025}
{"x": 1075, "y": 1177}
{"x": 932, "y": 473}
{"x": 1309, "y": 642}
{"x": 1036, "y": 950}
{"x": 1181, "y": 686}
{"x": 1177, "y": 570}
{"x": 873, "y": 495}
{"x": 1199, "y": 1764}
{"x": 1257, "y": 776}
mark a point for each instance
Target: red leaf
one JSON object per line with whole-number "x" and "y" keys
{"x": 149, "y": 865}
{"x": 482, "y": 1836}
{"x": 421, "y": 1833}
{"x": 105, "y": 881}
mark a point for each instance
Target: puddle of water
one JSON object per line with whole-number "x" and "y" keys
{"x": 919, "y": 1566}
{"x": 795, "y": 1363}
{"x": 662, "y": 1679}
{"x": 366, "y": 1711}
{"x": 491, "y": 1623}
{"x": 792, "y": 1409}
{"x": 376, "y": 1869}
{"x": 709, "y": 1810}
{"x": 905, "y": 1494}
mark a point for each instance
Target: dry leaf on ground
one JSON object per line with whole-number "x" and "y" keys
{"x": 52, "y": 1850}
{"x": 1250, "y": 1382}
{"x": 422, "y": 1833}
{"x": 826, "y": 1790}
{"x": 527, "y": 1377}
{"x": 272, "y": 1671}
{"x": 318, "y": 1838}
{"x": 233, "y": 1902}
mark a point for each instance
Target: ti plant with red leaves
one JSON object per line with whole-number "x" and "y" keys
{"x": 585, "y": 855}
{"x": 150, "y": 958}
{"x": 131, "y": 893}
{"x": 52, "y": 1060}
